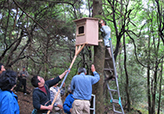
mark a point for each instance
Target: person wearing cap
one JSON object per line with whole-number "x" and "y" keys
{"x": 2, "y": 68}
{"x": 106, "y": 34}
{"x": 67, "y": 105}
{"x": 81, "y": 86}
{"x": 22, "y": 80}
{"x": 8, "y": 100}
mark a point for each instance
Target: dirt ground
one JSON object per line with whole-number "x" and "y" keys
{"x": 25, "y": 102}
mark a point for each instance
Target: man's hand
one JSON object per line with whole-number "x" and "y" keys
{"x": 50, "y": 107}
{"x": 63, "y": 74}
{"x": 63, "y": 85}
{"x": 93, "y": 68}
{"x": 70, "y": 110}
{"x": 60, "y": 106}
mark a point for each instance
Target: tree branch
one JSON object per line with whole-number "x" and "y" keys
{"x": 29, "y": 16}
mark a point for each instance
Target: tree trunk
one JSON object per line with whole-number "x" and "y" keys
{"x": 98, "y": 88}
{"x": 127, "y": 77}
{"x": 160, "y": 84}
{"x": 155, "y": 77}
{"x": 154, "y": 88}
{"x": 148, "y": 79}
{"x": 99, "y": 56}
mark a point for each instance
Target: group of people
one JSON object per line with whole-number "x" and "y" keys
{"x": 80, "y": 89}
{"x": 78, "y": 100}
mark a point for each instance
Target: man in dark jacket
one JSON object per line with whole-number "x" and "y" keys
{"x": 41, "y": 94}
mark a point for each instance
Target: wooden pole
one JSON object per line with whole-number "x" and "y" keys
{"x": 77, "y": 51}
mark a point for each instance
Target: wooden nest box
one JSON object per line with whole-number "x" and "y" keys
{"x": 87, "y": 31}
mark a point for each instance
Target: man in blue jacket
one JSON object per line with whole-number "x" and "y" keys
{"x": 41, "y": 94}
{"x": 81, "y": 86}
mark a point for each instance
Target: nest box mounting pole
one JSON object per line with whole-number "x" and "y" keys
{"x": 77, "y": 51}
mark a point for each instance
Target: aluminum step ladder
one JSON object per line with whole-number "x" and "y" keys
{"x": 113, "y": 73}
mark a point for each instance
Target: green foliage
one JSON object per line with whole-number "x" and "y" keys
{"x": 162, "y": 98}
{"x": 137, "y": 82}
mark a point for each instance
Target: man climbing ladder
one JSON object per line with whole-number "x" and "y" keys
{"x": 106, "y": 34}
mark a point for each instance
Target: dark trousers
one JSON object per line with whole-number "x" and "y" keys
{"x": 21, "y": 82}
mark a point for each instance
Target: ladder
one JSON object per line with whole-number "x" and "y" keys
{"x": 111, "y": 72}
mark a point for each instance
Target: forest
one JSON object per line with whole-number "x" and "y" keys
{"x": 40, "y": 34}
